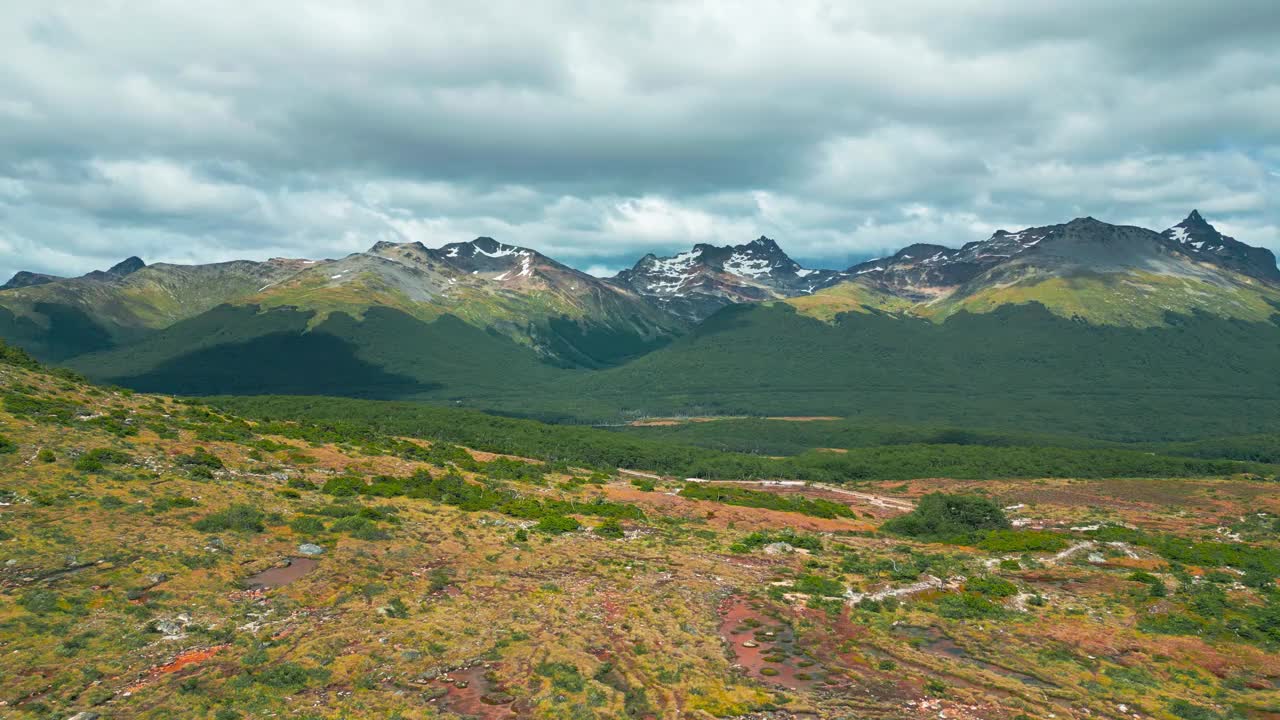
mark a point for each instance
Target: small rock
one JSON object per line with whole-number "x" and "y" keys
{"x": 411, "y": 655}
{"x": 310, "y": 549}
{"x": 86, "y": 715}
{"x": 750, "y": 644}
{"x": 157, "y": 578}
{"x": 169, "y": 628}
{"x": 778, "y": 548}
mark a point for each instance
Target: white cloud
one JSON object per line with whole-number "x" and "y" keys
{"x": 597, "y": 133}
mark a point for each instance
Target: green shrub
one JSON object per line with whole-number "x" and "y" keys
{"x": 1189, "y": 711}
{"x": 307, "y": 525}
{"x": 359, "y": 527}
{"x": 563, "y": 676}
{"x": 949, "y": 518}
{"x": 169, "y": 502}
{"x": 46, "y": 455}
{"x": 557, "y": 524}
{"x": 285, "y": 676}
{"x": 98, "y": 459}
{"x": 991, "y": 586}
{"x": 610, "y": 528}
{"x": 200, "y": 463}
{"x": 344, "y": 486}
{"x": 241, "y": 518}
{"x": 818, "y": 585}
{"x": 967, "y": 606}
{"x": 7, "y": 446}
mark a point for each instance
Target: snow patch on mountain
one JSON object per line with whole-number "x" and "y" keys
{"x": 748, "y": 266}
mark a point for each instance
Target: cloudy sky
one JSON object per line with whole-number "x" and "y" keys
{"x": 203, "y": 131}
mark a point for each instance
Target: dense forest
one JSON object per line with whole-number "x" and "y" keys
{"x": 344, "y": 420}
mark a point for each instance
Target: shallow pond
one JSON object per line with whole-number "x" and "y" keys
{"x": 281, "y": 575}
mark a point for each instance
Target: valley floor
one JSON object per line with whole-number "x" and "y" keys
{"x": 160, "y": 560}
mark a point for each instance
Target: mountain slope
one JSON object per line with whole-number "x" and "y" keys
{"x": 23, "y": 278}
{"x": 1018, "y": 367}
{"x": 66, "y": 317}
{"x": 696, "y": 283}
{"x": 563, "y": 314}
{"x": 1084, "y": 269}
{"x": 385, "y": 353}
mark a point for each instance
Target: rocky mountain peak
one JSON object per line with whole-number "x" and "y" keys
{"x": 1198, "y": 238}
{"x": 128, "y": 266}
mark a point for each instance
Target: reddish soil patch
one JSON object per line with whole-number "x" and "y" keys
{"x": 181, "y": 662}
{"x": 765, "y": 648}
{"x": 280, "y": 576}
{"x": 471, "y": 693}
{"x": 191, "y": 657}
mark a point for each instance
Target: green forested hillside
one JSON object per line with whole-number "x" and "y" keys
{"x": 1018, "y": 368}
{"x": 386, "y": 354}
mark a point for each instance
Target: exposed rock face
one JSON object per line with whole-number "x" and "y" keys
{"x": 1197, "y": 237}
{"x": 698, "y": 282}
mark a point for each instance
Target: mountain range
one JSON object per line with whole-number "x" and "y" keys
{"x": 505, "y": 327}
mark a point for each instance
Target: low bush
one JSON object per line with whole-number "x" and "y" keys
{"x": 98, "y": 459}
{"x": 240, "y": 518}
{"x": 949, "y": 518}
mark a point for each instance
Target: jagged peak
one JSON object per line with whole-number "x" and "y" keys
{"x": 128, "y": 266}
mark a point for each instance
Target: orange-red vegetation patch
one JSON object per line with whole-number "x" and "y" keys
{"x": 180, "y": 662}
{"x": 191, "y": 657}
{"x": 1138, "y": 563}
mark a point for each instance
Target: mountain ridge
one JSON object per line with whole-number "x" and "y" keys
{"x": 696, "y": 283}
{"x": 1083, "y": 269}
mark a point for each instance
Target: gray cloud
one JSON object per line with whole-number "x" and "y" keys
{"x": 189, "y": 134}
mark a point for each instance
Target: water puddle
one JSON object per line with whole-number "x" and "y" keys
{"x": 766, "y": 648}
{"x": 475, "y": 692}
{"x": 281, "y": 575}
